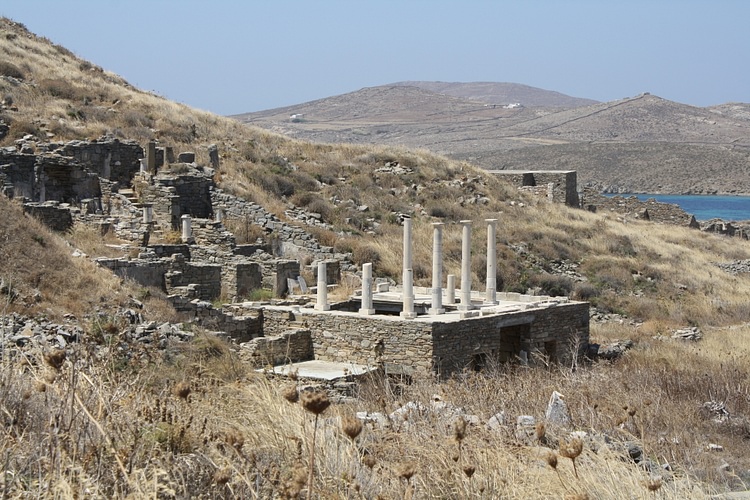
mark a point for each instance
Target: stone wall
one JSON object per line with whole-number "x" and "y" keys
{"x": 297, "y": 243}
{"x": 204, "y": 278}
{"x": 631, "y": 207}
{"x": 474, "y": 343}
{"x": 560, "y": 186}
{"x": 290, "y": 347}
{"x": 54, "y": 216}
{"x": 401, "y": 346}
{"x": 17, "y": 173}
{"x": 148, "y": 273}
{"x": 241, "y": 278}
{"x": 238, "y": 327}
{"x": 193, "y": 191}
{"x": 107, "y": 157}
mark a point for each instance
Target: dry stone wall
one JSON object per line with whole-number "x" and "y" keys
{"x": 555, "y": 331}
{"x": 559, "y": 186}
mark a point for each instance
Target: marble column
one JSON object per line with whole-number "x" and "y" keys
{"x": 322, "y": 295}
{"x": 407, "y": 279}
{"x": 450, "y": 290}
{"x": 491, "y": 293}
{"x": 465, "y": 304}
{"x": 437, "y": 269}
{"x": 367, "y": 290}
{"x": 408, "y": 310}
{"x": 187, "y": 228}
{"x": 148, "y": 214}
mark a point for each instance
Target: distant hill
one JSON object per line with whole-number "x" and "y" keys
{"x": 502, "y": 93}
{"x": 637, "y": 144}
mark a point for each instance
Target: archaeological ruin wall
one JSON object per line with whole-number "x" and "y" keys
{"x": 559, "y": 186}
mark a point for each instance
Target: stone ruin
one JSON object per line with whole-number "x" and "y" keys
{"x": 147, "y": 195}
{"x": 557, "y": 186}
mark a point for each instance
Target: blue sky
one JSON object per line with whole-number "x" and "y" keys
{"x": 235, "y": 56}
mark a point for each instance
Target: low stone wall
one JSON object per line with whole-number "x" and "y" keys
{"x": 289, "y": 347}
{"x": 148, "y": 273}
{"x": 51, "y": 214}
{"x": 402, "y": 346}
{"x": 240, "y": 328}
{"x": 242, "y": 278}
{"x": 631, "y": 207}
{"x": 297, "y": 243}
{"x": 206, "y": 278}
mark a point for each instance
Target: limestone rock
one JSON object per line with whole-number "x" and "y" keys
{"x": 557, "y": 410}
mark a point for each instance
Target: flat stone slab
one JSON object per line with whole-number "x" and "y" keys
{"x": 322, "y": 370}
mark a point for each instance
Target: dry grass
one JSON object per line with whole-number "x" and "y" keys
{"x": 195, "y": 421}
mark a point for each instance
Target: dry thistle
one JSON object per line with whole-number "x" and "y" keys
{"x": 352, "y": 426}
{"x": 55, "y": 358}
{"x": 369, "y": 461}
{"x": 469, "y": 470}
{"x": 235, "y": 439}
{"x": 406, "y": 471}
{"x": 459, "y": 428}
{"x": 181, "y": 390}
{"x": 551, "y": 458}
{"x": 291, "y": 394}
{"x": 653, "y": 483}
{"x": 315, "y": 402}
{"x": 571, "y": 450}
{"x": 222, "y": 476}
{"x": 540, "y": 431}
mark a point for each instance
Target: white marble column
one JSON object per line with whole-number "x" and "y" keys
{"x": 322, "y": 295}
{"x": 148, "y": 214}
{"x": 465, "y": 267}
{"x": 367, "y": 290}
{"x": 437, "y": 269}
{"x": 408, "y": 310}
{"x": 450, "y": 290}
{"x": 187, "y": 228}
{"x": 407, "y": 280}
{"x": 491, "y": 293}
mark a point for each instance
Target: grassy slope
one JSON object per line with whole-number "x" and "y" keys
{"x": 119, "y": 430}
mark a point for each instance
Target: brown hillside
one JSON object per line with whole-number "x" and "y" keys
{"x": 639, "y": 144}
{"x": 502, "y": 93}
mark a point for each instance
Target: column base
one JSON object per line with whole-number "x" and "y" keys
{"x": 435, "y": 312}
{"x": 366, "y": 311}
{"x": 408, "y": 315}
{"x": 326, "y": 307}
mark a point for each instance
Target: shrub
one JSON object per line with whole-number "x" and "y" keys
{"x": 365, "y": 253}
{"x": 584, "y": 291}
{"x": 552, "y": 284}
{"x": 8, "y": 69}
{"x": 57, "y": 87}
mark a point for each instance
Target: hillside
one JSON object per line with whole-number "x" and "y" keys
{"x": 639, "y": 144}
{"x": 502, "y": 93}
{"x": 106, "y": 392}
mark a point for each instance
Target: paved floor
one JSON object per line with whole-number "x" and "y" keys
{"x": 323, "y": 370}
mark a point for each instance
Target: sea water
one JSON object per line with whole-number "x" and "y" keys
{"x": 705, "y": 207}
